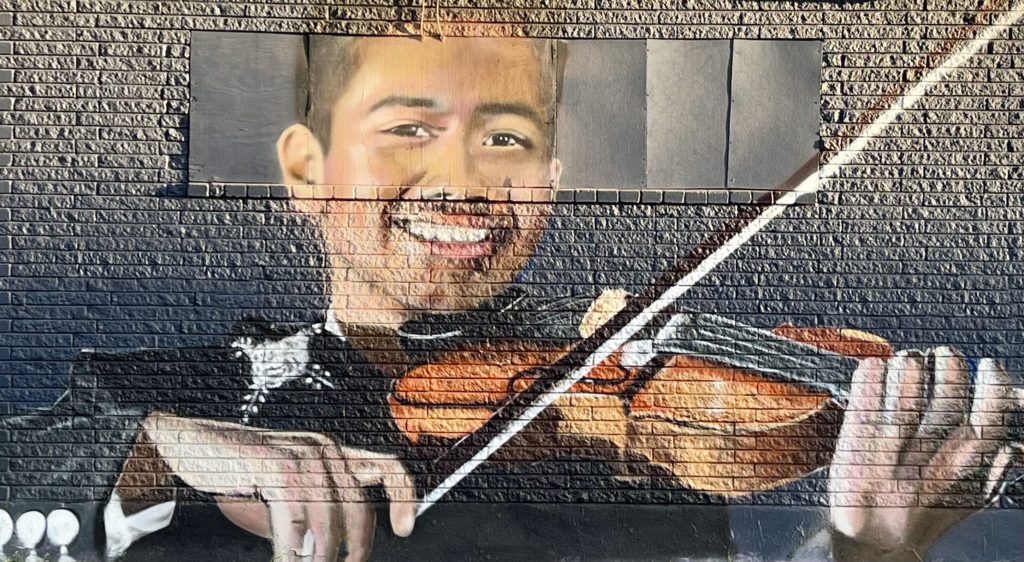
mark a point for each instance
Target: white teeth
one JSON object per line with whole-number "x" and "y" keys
{"x": 448, "y": 233}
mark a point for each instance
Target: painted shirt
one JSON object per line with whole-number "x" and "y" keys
{"x": 309, "y": 378}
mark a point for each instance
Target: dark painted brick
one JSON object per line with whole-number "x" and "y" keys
{"x": 718, "y": 197}
{"x": 607, "y": 196}
{"x": 5, "y": 215}
{"x": 259, "y": 191}
{"x": 565, "y": 196}
{"x": 6, "y": 104}
{"x": 674, "y": 196}
{"x": 807, "y": 199}
{"x": 6, "y": 18}
{"x": 233, "y": 190}
{"x": 6, "y": 76}
{"x": 6, "y": 131}
{"x": 198, "y": 190}
{"x": 5, "y": 242}
{"x": 5, "y": 160}
{"x": 651, "y": 196}
{"x": 696, "y": 197}
{"x": 280, "y": 191}
{"x": 5, "y": 187}
{"x": 5, "y": 270}
{"x": 586, "y": 196}
{"x": 629, "y": 196}
{"x": 739, "y": 197}
{"x": 6, "y": 47}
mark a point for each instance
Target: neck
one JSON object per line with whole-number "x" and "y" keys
{"x": 377, "y": 344}
{"x": 366, "y": 311}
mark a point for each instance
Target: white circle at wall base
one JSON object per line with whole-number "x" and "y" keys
{"x": 6, "y": 527}
{"x": 30, "y": 528}
{"x": 61, "y": 527}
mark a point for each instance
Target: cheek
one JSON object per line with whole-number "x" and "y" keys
{"x": 532, "y": 220}
{"x": 353, "y": 226}
{"x": 361, "y": 165}
{"x": 519, "y": 171}
{"x": 349, "y": 164}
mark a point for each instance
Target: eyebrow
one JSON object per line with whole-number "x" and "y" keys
{"x": 520, "y": 109}
{"x": 407, "y": 101}
{"x": 487, "y": 109}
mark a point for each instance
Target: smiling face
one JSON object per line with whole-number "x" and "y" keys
{"x": 444, "y": 132}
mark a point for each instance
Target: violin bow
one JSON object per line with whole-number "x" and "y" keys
{"x": 642, "y": 310}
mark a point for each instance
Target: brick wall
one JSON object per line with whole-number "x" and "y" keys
{"x": 101, "y": 246}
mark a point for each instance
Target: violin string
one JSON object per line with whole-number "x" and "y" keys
{"x": 809, "y": 184}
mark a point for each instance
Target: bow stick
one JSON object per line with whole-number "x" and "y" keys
{"x": 642, "y": 311}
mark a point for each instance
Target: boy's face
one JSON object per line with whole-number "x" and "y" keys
{"x": 458, "y": 123}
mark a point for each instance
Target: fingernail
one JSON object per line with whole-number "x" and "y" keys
{"x": 871, "y": 371}
{"x": 892, "y": 386}
{"x": 946, "y": 352}
{"x": 988, "y": 366}
{"x": 910, "y": 354}
{"x": 983, "y": 392}
{"x": 404, "y": 527}
{"x": 946, "y": 357}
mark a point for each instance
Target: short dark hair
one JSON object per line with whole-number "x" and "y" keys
{"x": 333, "y": 59}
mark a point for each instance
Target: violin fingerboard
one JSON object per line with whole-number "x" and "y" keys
{"x": 757, "y": 351}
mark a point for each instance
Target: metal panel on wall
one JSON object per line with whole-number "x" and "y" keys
{"x": 773, "y": 126}
{"x": 601, "y": 136}
{"x": 687, "y": 113}
{"x": 236, "y": 113}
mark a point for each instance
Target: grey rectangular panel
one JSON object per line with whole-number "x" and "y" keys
{"x": 246, "y": 89}
{"x": 601, "y": 136}
{"x": 774, "y": 118}
{"x": 687, "y": 109}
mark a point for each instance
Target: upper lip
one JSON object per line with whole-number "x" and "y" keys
{"x": 465, "y": 222}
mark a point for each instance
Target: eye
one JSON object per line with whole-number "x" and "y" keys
{"x": 411, "y": 130}
{"x": 507, "y": 140}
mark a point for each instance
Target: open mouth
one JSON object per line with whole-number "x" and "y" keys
{"x": 450, "y": 239}
{"x": 445, "y": 233}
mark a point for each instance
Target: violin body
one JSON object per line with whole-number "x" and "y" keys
{"x": 701, "y": 424}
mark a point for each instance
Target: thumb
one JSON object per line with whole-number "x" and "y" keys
{"x": 401, "y": 492}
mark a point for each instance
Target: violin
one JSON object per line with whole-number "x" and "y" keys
{"x": 718, "y": 406}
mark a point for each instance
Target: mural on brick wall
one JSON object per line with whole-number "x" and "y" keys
{"x": 469, "y": 405}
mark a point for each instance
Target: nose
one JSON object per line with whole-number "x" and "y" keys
{"x": 450, "y": 172}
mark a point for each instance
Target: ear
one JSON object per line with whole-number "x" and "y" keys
{"x": 300, "y": 156}
{"x": 556, "y": 172}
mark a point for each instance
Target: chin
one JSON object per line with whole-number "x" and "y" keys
{"x": 454, "y": 296}
{"x": 448, "y": 284}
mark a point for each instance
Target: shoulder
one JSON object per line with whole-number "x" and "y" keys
{"x": 222, "y": 382}
{"x": 250, "y": 342}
